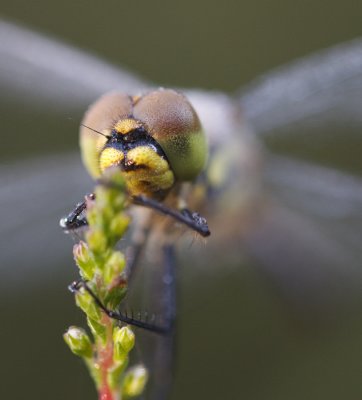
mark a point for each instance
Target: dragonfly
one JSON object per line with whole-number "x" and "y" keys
{"x": 300, "y": 221}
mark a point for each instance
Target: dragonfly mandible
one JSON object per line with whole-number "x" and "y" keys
{"x": 277, "y": 207}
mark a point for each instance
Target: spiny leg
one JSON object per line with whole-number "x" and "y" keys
{"x": 119, "y": 316}
{"x": 191, "y": 219}
{"x": 169, "y": 300}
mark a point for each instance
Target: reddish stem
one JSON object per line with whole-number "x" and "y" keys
{"x": 105, "y": 359}
{"x": 105, "y": 393}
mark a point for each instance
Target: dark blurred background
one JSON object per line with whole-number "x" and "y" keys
{"x": 238, "y": 337}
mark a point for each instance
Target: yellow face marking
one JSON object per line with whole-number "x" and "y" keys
{"x": 126, "y": 125}
{"x": 151, "y": 176}
{"x": 110, "y": 157}
{"x": 146, "y": 156}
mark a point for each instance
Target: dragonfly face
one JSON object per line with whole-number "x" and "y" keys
{"x": 156, "y": 139}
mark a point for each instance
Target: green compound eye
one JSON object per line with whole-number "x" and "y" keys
{"x": 173, "y": 123}
{"x": 164, "y": 128}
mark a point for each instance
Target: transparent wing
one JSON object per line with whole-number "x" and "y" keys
{"x": 33, "y": 196}
{"x": 325, "y": 194}
{"x": 321, "y": 89}
{"x": 308, "y": 240}
{"x": 35, "y": 69}
{"x": 318, "y": 90}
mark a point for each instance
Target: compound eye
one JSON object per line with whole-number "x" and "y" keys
{"x": 172, "y": 121}
{"x": 101, "y": 117}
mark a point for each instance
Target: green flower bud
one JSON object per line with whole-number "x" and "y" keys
{"x": 124, "y": 340}
{"x": 135, "y": 381}
{"x": 92, "y": 215}
{"x": 84, "y": 260}
{"x": 102, "y": 268}
{"x": 78, "y": 342}
{"x": 113, "y": 267}
{"x": 118, "y": 200}
{"x": 115, "y": 295}
{"x": 97, "y": 329}
{"x": 86, "y": 302}
{"x": 96, "y": 240}
{"x": 119, "y": 225}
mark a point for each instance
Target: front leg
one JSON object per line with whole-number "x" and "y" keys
{"x": 76, "y": 218}
{"x": 193, "y": 220}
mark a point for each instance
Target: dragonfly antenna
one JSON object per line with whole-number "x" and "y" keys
{"x": 94, "y": 130}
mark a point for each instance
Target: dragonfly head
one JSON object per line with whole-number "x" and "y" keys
{"x": 156, "y": 139}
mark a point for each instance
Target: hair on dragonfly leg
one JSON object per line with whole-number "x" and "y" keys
{"x": 169, "y": 299}
{"x": 123, "y": 317}
{"x": 191, "y": 219}
{"x": 197, "y": 218}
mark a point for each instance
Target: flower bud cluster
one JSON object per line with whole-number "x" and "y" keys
{"x": 101, "y": 268}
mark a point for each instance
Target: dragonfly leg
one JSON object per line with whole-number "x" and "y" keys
{"x": 169, "y": 301}
{"x": 119, "y": 316}
{"x": 135, "y": 249}
{"x": 165, "y": 354}
{"x": 75, "y": 219}
{"x": 191, "y": 219}
{"x": 169, "y": 281}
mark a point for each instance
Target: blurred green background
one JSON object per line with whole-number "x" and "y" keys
{"x": 238, "y": 339}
